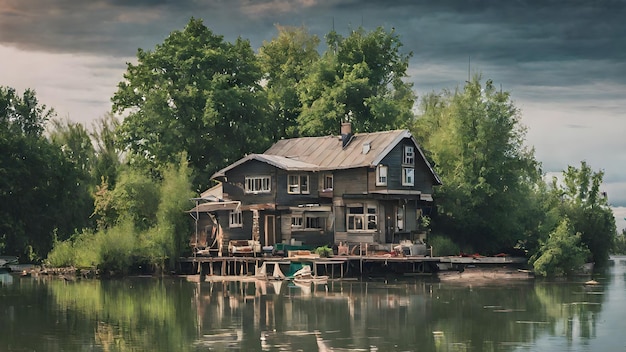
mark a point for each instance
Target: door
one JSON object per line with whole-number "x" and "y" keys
{"x": 390, "y": 220}
{"x": 270, "y": 230}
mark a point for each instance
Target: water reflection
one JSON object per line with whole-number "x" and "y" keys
{"x": 252, "y": 315}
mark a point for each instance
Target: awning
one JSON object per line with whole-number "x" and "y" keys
{"x": 319, "y": 208}
{"x": 214, "y": 206}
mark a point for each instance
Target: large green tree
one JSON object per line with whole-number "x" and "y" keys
{"x": 197, "y": 93}
{"x": 108, "y": 157}
{"x": 360, "y": 78}
{"x": 286, "y": 60}
{"x": 39, "y": 183}
{"x": 476, "y": 141}
{"x": 587, "y": 207}
{"x": 75, "y": 143}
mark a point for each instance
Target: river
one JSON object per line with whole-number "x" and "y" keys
{"x": 403, "y": 314}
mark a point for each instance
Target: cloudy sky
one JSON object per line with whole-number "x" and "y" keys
{"x": 564, "y": 62}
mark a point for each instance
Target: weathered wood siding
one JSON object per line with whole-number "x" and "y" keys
{"x": 393, "y": 161}
{"x": 283, "y": 197}
{"x": 351, "y": 181}
{"x": 236, "y": 184}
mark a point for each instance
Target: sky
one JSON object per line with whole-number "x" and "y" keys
{"x": 564, "y": 62}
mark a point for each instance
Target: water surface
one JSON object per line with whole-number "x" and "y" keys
{"x": 405, "y": 314}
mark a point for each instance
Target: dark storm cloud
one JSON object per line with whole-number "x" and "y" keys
{"x": 503, "y": 33}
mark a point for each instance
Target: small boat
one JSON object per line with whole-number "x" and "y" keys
{"x": 305, "y": 275}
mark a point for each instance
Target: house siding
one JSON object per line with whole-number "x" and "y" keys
{"x": 354, "y": 182}
{"x": 235, "y": 186}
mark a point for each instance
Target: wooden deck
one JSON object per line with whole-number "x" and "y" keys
{"x": 341, "y": 266}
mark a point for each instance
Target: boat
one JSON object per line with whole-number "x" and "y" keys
{"x": 6, "y": 262}
{"x": 305, "y": 275}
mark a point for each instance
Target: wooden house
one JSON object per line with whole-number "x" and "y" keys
{"x": 355, "y": 188}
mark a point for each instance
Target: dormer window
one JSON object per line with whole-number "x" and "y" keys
{"x": 381, "y": 175}
{"x": 409, "y": 155}
{"x": 298, "y": 184}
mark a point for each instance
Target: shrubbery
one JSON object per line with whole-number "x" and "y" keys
{"x": 443, "y": 246}
{"x": 561, "y": 254}
{"x": 152, "y": 238}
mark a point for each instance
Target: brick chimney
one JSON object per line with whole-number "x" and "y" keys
{"x": 346, "y": 134}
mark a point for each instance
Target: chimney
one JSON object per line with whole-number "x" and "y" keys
{"x": 346, "y": 134}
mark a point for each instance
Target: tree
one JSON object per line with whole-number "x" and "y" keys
{"x": 476, "y": 141}
{"x": 582, "y": 202}
{"x": 285, "y": 61}
{"x": 194, "y": 93}
{"x": 39, "y": 184}
{"x": 75, "y": 144}
{"x": 360, "y": 78}
{"x": 108, "y": 158}
{"x": 562, "y": 253}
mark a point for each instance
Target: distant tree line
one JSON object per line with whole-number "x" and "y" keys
{"x": 114, "y": 196}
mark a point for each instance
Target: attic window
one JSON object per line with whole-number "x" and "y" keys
{"x": 409, "y": 155}
{"x": 366, "y": 147}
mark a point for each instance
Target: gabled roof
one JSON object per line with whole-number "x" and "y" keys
{"x": 326, "y": 153}
{"x": 274, "y": 160}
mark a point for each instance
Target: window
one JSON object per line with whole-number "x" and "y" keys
{"x": 409, "y": 155}
{"x": 328, "y": 182}
{"x": 408, "y": 176}
{"x": 372, "y": 218}
{"x": 296, "y": 221}
{"x": 298, "y": 184}
{"x": 362, "y": 218}
{"x": 313, "y": 222}
{"x": 306, "y": 222}
{"x": 258, "y": 184}
{"x": 381, "y": 175}
{"x": 235, "y": 219}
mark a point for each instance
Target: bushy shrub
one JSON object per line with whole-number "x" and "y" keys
{"x": 562, "y": 253}
{"x": 62, "y": 255}
{"x": 443, "y": 246}
{"x": 116, "y": 247}
{"x": 324, "y": 251}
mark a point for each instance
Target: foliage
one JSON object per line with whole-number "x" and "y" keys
{"x": 140, "y": 221}
{"x": 285, "y": 61}
{"x": 108, "y": 158}
{"x": 135, "y": 197}
{"x": 619, "y": 245}
{"x": 562, "y": 253}
{"x": 359, "y": 78}
{"x": 168, "y": 238}
{"x": 324, "y": 251}
{"x": 443, "y": 246}
{"x": 476, "y": 141}
{"x": 192, "y": 93}
{"x": 577, "y": 196}
{"x": 42, "y": 188}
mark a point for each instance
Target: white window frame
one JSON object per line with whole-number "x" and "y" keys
{"x": 258, "y": 184}
{"x": 235, "y": 219}
{"x": 298, "y": 184}
{"x": 328, "y": 182}
{"x": 296, "y": 221}
{"x": 372, "y": 217}
{"x": 381, "y": 175}
{"x": 408, "y": 158}
{"x": 408, "y": 176}
{"x": 360, "y": 217}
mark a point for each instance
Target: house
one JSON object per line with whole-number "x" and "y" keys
{"x": 354, "y": 188}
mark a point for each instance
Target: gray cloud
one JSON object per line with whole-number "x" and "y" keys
{"x": 563, "y": 61}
